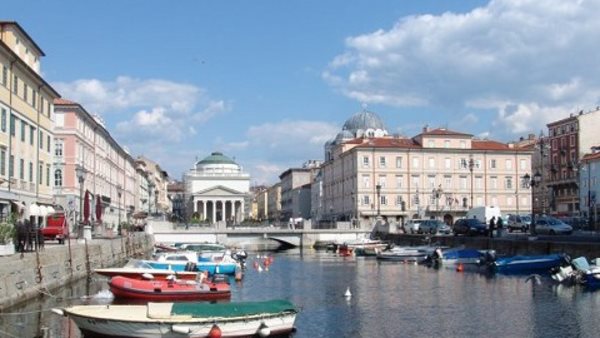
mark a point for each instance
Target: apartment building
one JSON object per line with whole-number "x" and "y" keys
{"x": 26, "y": 126}
{"x": 438, "y": 173}
{"x": 158, "y": 182}
{"x": 91, "y": 168}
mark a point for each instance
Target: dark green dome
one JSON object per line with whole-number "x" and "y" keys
{"x": 216, "y": 158}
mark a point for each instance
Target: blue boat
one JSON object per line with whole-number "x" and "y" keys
{"x": 460, "y": 256}
{"x": 227, "y": 268}
{"x": 526, "y": 264}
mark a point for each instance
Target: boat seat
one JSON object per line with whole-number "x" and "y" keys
{"x": 159, "y": 310}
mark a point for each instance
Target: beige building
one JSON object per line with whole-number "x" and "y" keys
{"x": 439, "y": 173}
{"x": 26, "y": 125}
{"x": 274, "y": 202}
{"x": 158, "y": 182}
{"x": 262, "y": 204}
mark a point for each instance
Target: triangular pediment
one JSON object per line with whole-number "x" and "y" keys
{"x": 219, "y": 190}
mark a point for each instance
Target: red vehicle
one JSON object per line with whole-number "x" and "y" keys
{"x": 57, "y": 227}
{"x": 168, "y": 290}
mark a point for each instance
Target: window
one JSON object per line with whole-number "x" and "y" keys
{"x": 40, "y": 173}
{"x": 33, "y": 97}
{"x": 463, "y": 182}
{"x": 494, "y": 182}
{"x": 58, "y": 178}
{"x": 509, "y": 201}
{"x": 365, "y": 200}
{"x": 16, "y": 85}
{"x": 58, "y": 148}
{"x": 430, "y": 143}
{"x": 508, "y": 164}
{"x": 3, "y": 120}
{"x": 365, "y": 161}
{"x": 446, "y": 143}
{"x": 492, "y": 164}
{"x": 25, "y": 92}
{"x": 4, "y": 75}
{"x": 383, "y": 200}
{"x": 398, "y": 200}
{"x": 431, "y": 181}
{"x": 47, "y": 175}
{"x": 479, "y": 182}
{"x": 11, "y": 166}
{"x": 48, "y": 143}
{"x": 13, "y": 126}
{"x": 382, "y": 181}
{"x": 463, "y": 144}
{"x": 448, "y": 163}
{"x": 477, "y": 164}
{"x": 415, "y": 162}
{"x": 399, "y": 179}
{"x": 432, "y": 163}
{"x": 509, "y": 182}
{"x": 31, "y": 134}
{"x": 41, "y": 139}
{"x": 2, "y": 162}
{"x": 30, "y": 171}
{"x": 399, "y": 162}
{"x": 415, "y": 181}
{"x": 22, "y": 169}
{"x": 382, "y": 162}
{"x": 448, "y": 182}
{"x": 23, "y": 127}
{"x": 479, "y": 201}
{"x": 463, "y": 164}
{"x": 523, "y": 164}
{"x": 366, "y": 181}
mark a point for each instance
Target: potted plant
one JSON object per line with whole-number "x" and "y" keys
{"x": 7, "y": 234}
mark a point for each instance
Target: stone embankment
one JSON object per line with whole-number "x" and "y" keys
{"x": 25, "y": 277}
{"x": 504, "y": 246}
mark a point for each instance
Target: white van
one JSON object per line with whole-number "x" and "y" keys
{"x": 484, "y": 214}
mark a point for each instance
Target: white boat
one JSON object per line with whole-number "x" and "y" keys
{"x": 177, "y": 320}
{"x": 137, "y": 269}
{"x": 417, "y": 253}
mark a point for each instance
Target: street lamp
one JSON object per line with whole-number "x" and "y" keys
{"x": 437, "y": 194}
{"x": 378, "y": 188}
{"x": 532, "y": 182}
{"x": 119, "y": 193}
{"x": 80, "y": 172}
{"x": 471, "y": 166}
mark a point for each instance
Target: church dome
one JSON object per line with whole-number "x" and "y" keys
{"x": 216, "y": 158}
{"x": 364, "y": 120}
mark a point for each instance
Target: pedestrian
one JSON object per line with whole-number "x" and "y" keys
{"x": 499, "y": 226}
{"x": 492, "y": 226}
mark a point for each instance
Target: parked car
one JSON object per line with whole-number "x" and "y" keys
{"x": 580, "y": 223}
{"x": 412, "y": 226}
{"x": 470, "y": 227}
{"x": 57, "y": 227}
{"x": 552, "y": 226}
{"x": 518, "y": 222}
{"x": 434, "y": 226}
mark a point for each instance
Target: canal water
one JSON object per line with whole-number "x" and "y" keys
{"x": 388, "y": 300}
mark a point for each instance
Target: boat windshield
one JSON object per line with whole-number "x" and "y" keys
{"x": 137, "y": 264}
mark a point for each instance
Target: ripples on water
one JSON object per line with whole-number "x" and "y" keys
{"x": 388, "y": 300}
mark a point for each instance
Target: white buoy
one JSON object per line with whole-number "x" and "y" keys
{"x": 348, "y": 294}
{"x": 264, "y": 330}
{"x": 260, "y": 269}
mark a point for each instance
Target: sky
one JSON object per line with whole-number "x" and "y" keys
{"x": 269, "y": 82}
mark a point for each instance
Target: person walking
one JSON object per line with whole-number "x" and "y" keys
{"x": 499, "y": 226}
{"x": 492, "y": 226}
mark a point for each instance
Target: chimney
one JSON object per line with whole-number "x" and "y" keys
{"x": 426, "y": 128}
{"x": 510, "y": 145}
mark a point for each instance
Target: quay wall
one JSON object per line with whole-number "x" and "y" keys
{"x": 503, "y": 246}
{"x": 25, "y": 277}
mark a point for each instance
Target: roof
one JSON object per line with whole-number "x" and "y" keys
{"x": 363, "y": 120}
{"x": 65, "y": 102}
{"x": 443, "y": 131}
{"x": 591, "y": 157}
{"x": 16, "y": 24}
{"x": 216, "y": 158}
{"x": 385, "y": 142}
{"x": 495, "y": 145}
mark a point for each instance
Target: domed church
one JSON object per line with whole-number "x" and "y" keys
{"x": 216, "y": 190}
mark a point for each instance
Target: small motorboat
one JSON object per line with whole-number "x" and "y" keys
{"x": 137, "y": 269}
{"x": 403, "y": 254}
{"x": 160, "y": 320}
{"x": 461, "y": 256}
{"x": 168, "y": 290}
{"x": 527, "y": 264}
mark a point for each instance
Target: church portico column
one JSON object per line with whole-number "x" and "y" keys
{"x": 214, "y": 211}
{"x": 203, "y": 217}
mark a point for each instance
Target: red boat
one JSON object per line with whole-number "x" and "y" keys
{"x": 168, "y": 290}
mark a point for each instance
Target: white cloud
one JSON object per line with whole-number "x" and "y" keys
{"x": 293, "y": 136}
{"x": 537, "y": 56}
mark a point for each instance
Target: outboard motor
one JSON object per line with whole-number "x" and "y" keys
{"x": 240, "y": 256}
{"x": 190, "y": 266}
{"x": 490, "y": 257}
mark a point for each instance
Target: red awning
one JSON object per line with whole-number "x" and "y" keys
{"x": 86, "y": 208}
{"x": 98, "y": 209}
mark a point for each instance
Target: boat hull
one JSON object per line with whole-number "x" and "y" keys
{"x": 131, "y": 321}
{"x": 164, "y": 291}
{"x": 210, "y": 267}
{"x": 138, "y": 273}
{"x": 526, "y": 264}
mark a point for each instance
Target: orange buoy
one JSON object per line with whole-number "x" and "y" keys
{"x": 460, "y": 267}
{"x": 215, "y": 332}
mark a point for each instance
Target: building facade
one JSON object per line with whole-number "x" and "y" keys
{"x": 274, "y": 203}
{"x": 176, "y": 193}
{"x": 295, "y": 183}
{"x": 439, "y": 173}
{"x": 569, "y": 139}
{"x": 158, "y": 182}
{"x": 108, "y": 189}
{"x": 589, "y": 181}
{"x": 217, "y": 191}
{"x": 26, "y": 126}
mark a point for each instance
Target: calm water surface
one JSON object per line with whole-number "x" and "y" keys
{"x": 388, "y": 300}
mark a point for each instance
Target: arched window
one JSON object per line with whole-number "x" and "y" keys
{"x": 58, "y": 178}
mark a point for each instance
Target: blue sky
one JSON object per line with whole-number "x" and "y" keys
{"x": 268, "y": 82}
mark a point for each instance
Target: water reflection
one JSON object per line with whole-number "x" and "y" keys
{"x": 388, "y": 300}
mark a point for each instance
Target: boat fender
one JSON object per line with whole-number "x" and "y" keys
{"x": 264, "y": 330}
{"x": 59, "y": 312}
{"x": 215, "y": 332}
{"x": 148, "y": 276}
{"x": 183, "y": 329}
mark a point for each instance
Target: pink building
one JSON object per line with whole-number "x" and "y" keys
{"x": 81, "y": 139}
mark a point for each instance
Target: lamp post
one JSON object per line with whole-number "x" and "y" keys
{"x": 80, "y": 172}
{"x": 378, "y": 188}
{"x": 437, "y": 194}
{"x": 119, "y": 193}
{"x": 471, "y": 166}
{"x": 532, "y": 182}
